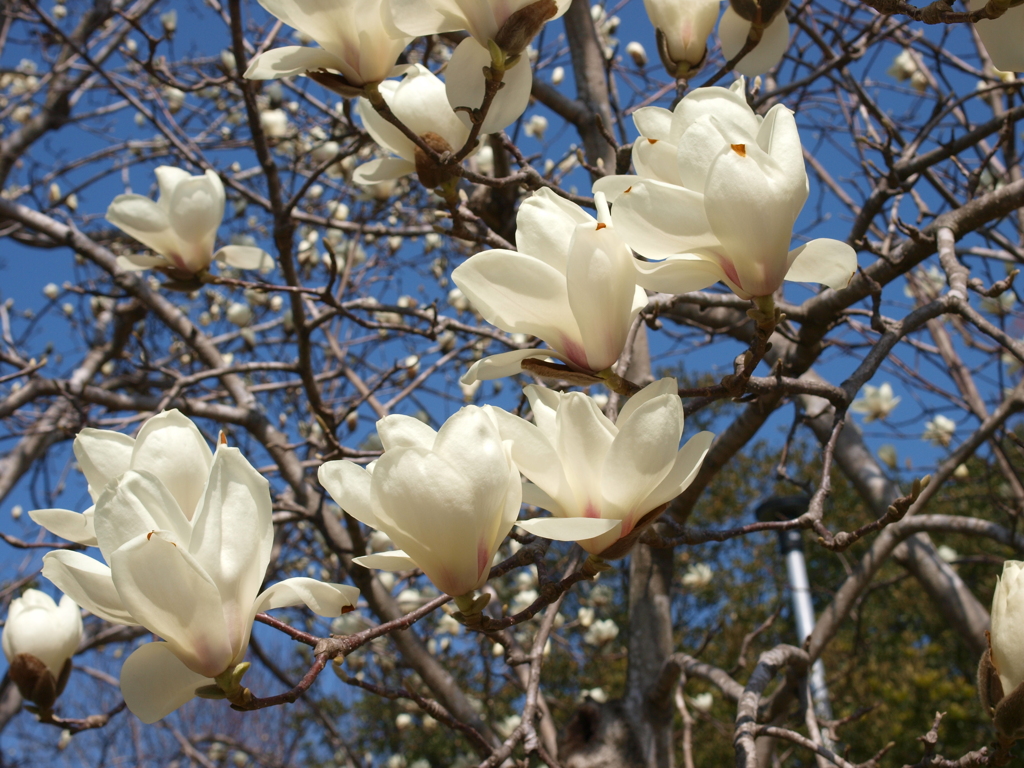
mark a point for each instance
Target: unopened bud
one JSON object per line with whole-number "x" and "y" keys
{"x": 523, "y": 25}
{"x": 760, "y": 12}
{"x": 637, "y": 53}
{"x": 431, "y": 173}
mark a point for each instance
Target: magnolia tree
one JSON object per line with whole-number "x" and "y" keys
{"x": 421, "y": 383}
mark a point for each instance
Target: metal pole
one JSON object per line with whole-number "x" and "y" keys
{"x": 792, "y": 546}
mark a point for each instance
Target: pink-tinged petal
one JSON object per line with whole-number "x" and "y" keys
{"x": 73, "y": 526}
{"x": 643, "y": 452}
{"x": 519, "y": 294}
{"x": 154, "y": 682}
{"x": 680, "y": 274}
{"x": 545, "y": 224}
{"x": 829, "y": 262}
{"x": 232, "y": 535}
{"x": 733, "y": 31}
{"x": 88, "y": 583}
{"x": 166, "y": 590}
{"x": 506, "y": 364}
{"x": 395, "y": 560}
{"x": 102, "y": 456}
{"x": 399, "y": 431}
{"x": 465, "y": 86}
{"x": 290, "y": 60}
{"x": 349, "y": 485}
{"x": 1003, "y": 37}
{"x": 244, "y": 257}
{"x": 584, "y": 437}
{"x": 658, "y": 220}
{"x": 685, "y": 468}
{"x": 653, "y": 122}
{"x": 172, "y": 448}
{"x": 381, "y": 170}
{"x": 569, "y": 528}
{"x": 601, "y": 285}
{"x": 752, "y": 209}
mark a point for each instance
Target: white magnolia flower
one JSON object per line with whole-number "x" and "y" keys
{"x": 169, "y": 447}
{"x": 353, "y": 41}
{"x": 718, "y": 193}
{"x": 1003, "y": 37}
{"x": 38, "y": 626}
{"x": 939, "y": 431}
{"x": 600, "y": 479}
{"x": 732, "y": 32}
{"x": 877, "y": 403}
{"x": 904, "y": 67}
{"x": 697, "y": 576}
{"x": 1008, "y": 626}
{"x": 601, "y": 632}
{"x": 181, "y": 226}
{"x": 418, "y": 101}
{"x": 571, "y": 284}
{"x": 510, "y": 24}
{"x": 684, "y": 27}
{"x": 447, "y": 498}
{"x": 703, "y": 702}
{"x": 186, "y": 549}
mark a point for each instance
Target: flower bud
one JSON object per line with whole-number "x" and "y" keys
{"x": 38, "y": 640}
{"x": 523, "y": 25}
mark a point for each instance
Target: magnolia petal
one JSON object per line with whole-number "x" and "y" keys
{"x": 321, "y": 598}
{"x": 613, "y": 186}
{"x": 535, "y": 496}
{"x": 545, "y": 224}
{"x": 505, "y": 364}
{"x": 583, "y": 439}
{"x": 687, "y": 465}
{"x": 419, "y": 495}
{"x": 144, "y": 220}
{"x": 73, "y": 526}
{"x": 417, "y": 18}
{"x": 733, "y": 31}
{"x": 665, "y": 386}
{"x": 1002, "y": 37}
{"x": 656, "y": 160}
{"x": 658, "y": 220}
{"x": 569, "y": 528}
{"x": 154, "y": 682}
{"x": 643, "y": 452}
{"x": 780, "y": 138}
{"x": 102, "y": 456}
{"x": 381, "y": 170}
{"x": 195, "y": 211}
{"x": 384, "y": 133}
{"x": 133, "y": 505}
{"x": 398, "y": 431}
{"x": 167, "y": 178}
{"x": 519, "y": 294}
{"x": 168, "y": 592}
{"x": 232, "y": 535}
{"x": 601, "y": 283}
{"x": 349, "y": 485}
{"x": 678, "y": 274}
{"x": 395, "y": 560}
{"x": 829, "y": 262}
{"x": 418, "y": 101}
{"x": 171, "y": 447}
{"x": 288, "y": 61}
{"x": 88, "y": 583}
{"x": 653, "y": 122}
{"x": 136, "y": 262}
{"x": 464, "y": 85}
{"x": 725, "y": 105}
{"x": 534, "y": 455}
{"x": 244, "y": 257}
